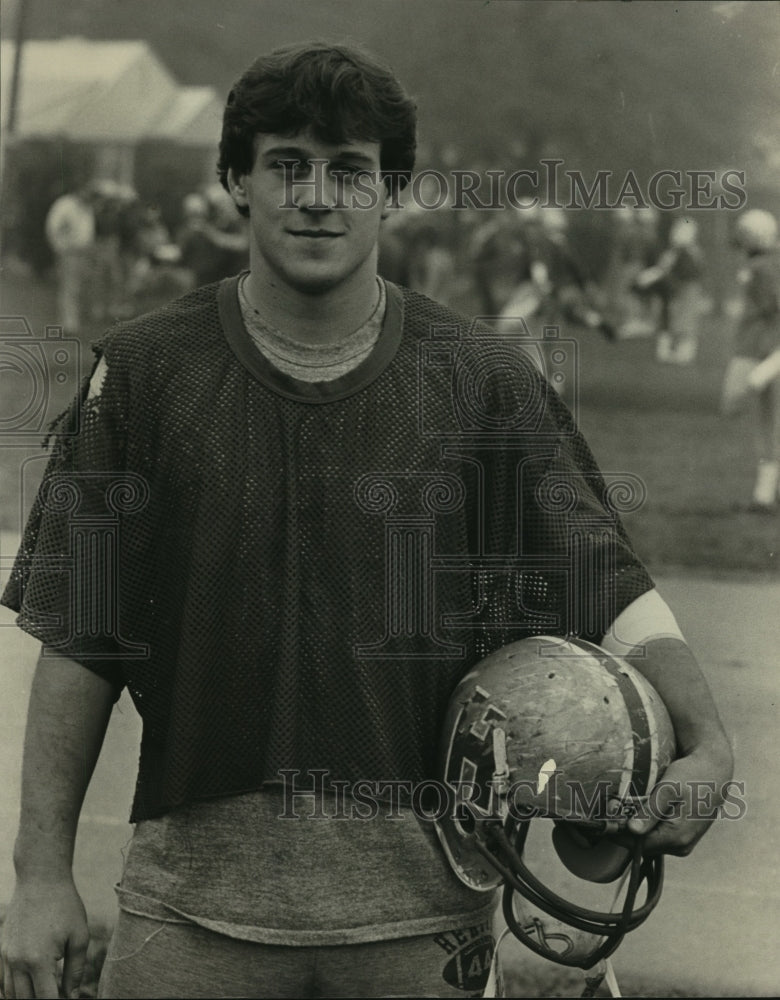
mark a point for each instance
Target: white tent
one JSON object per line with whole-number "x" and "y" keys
{"x": 104, "y": 92}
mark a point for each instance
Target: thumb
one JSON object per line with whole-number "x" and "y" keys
{"x": 640, "y": 825}
{"x": 75, "y": 962}
{"x": 663, "y": 803}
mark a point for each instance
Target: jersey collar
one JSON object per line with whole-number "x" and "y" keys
{"x": 261, "y": 368}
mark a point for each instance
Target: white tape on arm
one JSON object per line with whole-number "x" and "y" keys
{"x": 648, "y": 617}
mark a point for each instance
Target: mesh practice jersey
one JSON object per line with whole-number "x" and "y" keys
{"x": 293, "y": 576}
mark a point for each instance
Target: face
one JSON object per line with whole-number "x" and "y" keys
{"x": 314, "y": 226}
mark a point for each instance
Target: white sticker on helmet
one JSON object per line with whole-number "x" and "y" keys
{"x": 546, "y": 771}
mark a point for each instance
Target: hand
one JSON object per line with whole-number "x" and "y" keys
{"x": 684, "y": 804}
{"x": 46, "y": 922}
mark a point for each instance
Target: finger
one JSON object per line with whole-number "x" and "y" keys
{"x": 22, "y": 985}
{"x": 73, "y": 967}
{"x": 663, "y": 841}
{"x": 677, "y": 838}
{"x": 641, "y": 826}
{"x": 8, "y": 981}
{"x": 642, "y": 822}
{"x": 44, "y": 984}
{"x": 664, "y": 804}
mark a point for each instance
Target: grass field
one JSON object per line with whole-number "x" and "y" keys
{"x": 560, "y": 982}
{"x": 657, "y": 422}
{"x": 662, "y": 423}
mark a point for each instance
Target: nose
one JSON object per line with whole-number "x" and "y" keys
{"x": 315, "y": 189}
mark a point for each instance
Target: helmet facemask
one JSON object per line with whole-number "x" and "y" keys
{"x": 564, "y": 738}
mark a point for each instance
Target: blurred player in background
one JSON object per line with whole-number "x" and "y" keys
{"x": 414, "y": 251}
{"x": 70, "y": 231}
{"x": 500, "y": 262}
{"x": 752, "y": 378}
{"x": 565, "y": 286}
{"x": 212, "y": 239}
{"x": 108, "y": 278}
{"x": 677, "y": 277}
{"x": 635, "y": 247}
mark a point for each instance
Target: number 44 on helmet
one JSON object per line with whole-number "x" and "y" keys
{"x": 560, "y": 734}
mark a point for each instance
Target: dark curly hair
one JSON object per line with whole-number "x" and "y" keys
{"x": 338, "y": 92}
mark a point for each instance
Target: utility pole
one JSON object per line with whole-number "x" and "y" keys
{"x": 16, "y": 80}
{"x": 21, "y": 24}
{"x": 7, "y": 141}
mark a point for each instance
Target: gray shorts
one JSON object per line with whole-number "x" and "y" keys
{"x": 153, "y": 958}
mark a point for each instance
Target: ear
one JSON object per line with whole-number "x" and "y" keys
{"x": 391, "y": 197}
{"x": 387, "y": 201}
{"x": 237, "y": 189}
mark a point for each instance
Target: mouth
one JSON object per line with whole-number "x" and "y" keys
{"x": 315, "y": 234}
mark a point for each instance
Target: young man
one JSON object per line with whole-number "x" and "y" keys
{"x": 322, "y": 509}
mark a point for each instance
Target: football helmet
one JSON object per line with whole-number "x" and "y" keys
{"x": 555, "y": 219}
{"x": 684, "y": 233}
{"x": 564, "y": 733}
{"x": 756, "y": 230}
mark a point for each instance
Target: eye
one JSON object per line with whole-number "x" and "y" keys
{"x": 293, "y": 168}
{"x": 345, "y": 169}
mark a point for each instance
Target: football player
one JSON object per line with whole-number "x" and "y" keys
{"x": 752, "y": 377}
{"x": 288, "y": 514}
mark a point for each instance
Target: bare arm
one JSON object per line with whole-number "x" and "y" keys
{"x": 67, "y": 718}
{"x": 682, "y": 805}
{"x": 693, "y": 784}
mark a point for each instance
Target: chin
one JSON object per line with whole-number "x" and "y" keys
{"x": 318, "y": 284}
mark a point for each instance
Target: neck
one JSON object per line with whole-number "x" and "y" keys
{"x": 318, "y": 316}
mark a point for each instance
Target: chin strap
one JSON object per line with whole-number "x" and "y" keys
{"x": 502, "y": 845}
